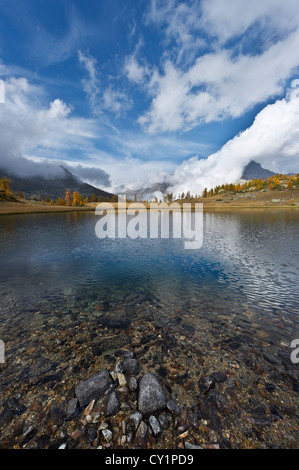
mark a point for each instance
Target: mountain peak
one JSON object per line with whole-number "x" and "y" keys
{"x": 254, "y": 170}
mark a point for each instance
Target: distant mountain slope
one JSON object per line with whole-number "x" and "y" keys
{"x": 52, "y": 188}
{"x": 254, "y": 170}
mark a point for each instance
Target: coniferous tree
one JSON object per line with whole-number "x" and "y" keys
{"x": 68, "y": 197}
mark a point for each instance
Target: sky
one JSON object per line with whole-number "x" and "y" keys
{"x": 127, "y": 94}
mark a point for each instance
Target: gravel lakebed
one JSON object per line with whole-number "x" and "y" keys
{"x": 128, "y": 374}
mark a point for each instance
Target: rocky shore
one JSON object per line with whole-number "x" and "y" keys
{"x": 119, "y": 376}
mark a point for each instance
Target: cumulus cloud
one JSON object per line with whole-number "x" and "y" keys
{"x": 29, "y": 127}
{"x": 218, "y": 85}
{"x": 37, "y": 137}
{"x": 131, "y": 173}
{"x": 219, "y": 62}
{"x": 269, "y": 15}
{"x": 185, "y": 22}
{"x": 272, "y": 140}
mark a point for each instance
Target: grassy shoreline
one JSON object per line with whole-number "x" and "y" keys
{"x": 16, "y": 209}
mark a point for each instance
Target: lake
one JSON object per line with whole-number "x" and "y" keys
{"x": 234, "y": 301}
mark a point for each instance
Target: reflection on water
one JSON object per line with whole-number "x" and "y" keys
{"x": 221, "y": 317}
{"x": 248, "y": 261}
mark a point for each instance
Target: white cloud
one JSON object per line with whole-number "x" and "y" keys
{"x": 218, "y": 86}
{"x": 272, "y": 140}
{"x": 116, "y": 101}
{"x": 224, "y": 80}
{"x": 225, "y": 21}
{"x": 134, "y": 71}
{"x": 133, "y": 173}
{"x": 37, "y": 137}
{"x": 185, "y": 22}
{"x": 183, "y": 25}
{"x": 27, "y": 125}
{"x": 91, "y": 84}
{"x": 101, "y": 98}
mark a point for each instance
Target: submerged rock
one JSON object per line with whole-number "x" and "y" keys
{"x": 133, "y": 385}
{"x": 115, "y": 320}
{"x": 13, "y": 405}
{"x": 173, "y": 408}
{"x": 130, "y": 366}
{"x": 141, "y": 434}
{"x": 190, "y": 446}
{"x": 219, "y": 377}
{"x": 93, "y": 388}
{"x": 155, "y": 425}
{"x": 110, "y": 343}
{"x": 151, "y": 397}
{"x": 107, "y": 434}
{"x": 72, "y": 408}
{"x": 164, "y": 423}
{"x": 113, "y": 405}
{"x": 136, "y": 418}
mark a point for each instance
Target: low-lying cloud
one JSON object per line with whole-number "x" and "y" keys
{"x": 272, "y": 140}
{"x": 27, "y": 125}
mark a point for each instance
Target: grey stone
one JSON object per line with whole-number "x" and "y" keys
{"x": 92, "y": 434}
{"x": 72, "y": 407}
{"x": 154, "y": 423}
{"x": 161, "y": 322}
{"x": 107, "y": 434}
{"x": 173, "y": 408}
{"x": 219, "y": 377}
{"x": 93, "y": 388}
{"x": 133, "y": 385}
{"x": 136, "y": 418}
{"x": 141, "y": 434}
{"x": 217, "y": 399}
{"x": 118, "y": 368}
{"x": 12, "y": 404}
{"x": 205, "y": 384}
{"x": 191, "y": 446}
{"x": 113, "y": 405}
{"x": 151, "y": 397}
{"x": 130, "y": 366}
{"x": 163, "y": 421}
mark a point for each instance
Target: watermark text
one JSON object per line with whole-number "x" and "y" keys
{"x": 295, "y": 353}
{"x": 2, "y": 352}
{"x": 137, "y": 221}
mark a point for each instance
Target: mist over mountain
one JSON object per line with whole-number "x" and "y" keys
{"x": 252, "y": 170}
{"x": 148, "y": 193}
{"x": 55, "y": 183}
{"x": 51, "y": 187}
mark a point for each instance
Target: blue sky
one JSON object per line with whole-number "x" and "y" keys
{"x": 149, "y": 90}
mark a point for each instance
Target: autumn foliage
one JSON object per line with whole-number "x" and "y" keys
{"x": 6, "y": 193}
